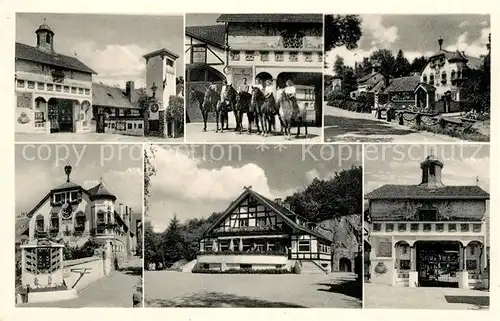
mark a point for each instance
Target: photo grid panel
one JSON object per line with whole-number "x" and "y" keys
{"x": 73, "y": 83}
{"x": 255, "y": 226}
{"x": 79, "y": 234}
{"x": 426, "y": 226}
{"x": 407, "y": 78}
{"x": 254, "y": 74}
{"x": 266, "y": 161}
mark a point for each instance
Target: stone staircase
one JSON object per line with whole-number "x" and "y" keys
{"x": 310, "y": 267}
{"x": 343, "y": 276}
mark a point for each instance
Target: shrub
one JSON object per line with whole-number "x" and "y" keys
{"x": 241, "y": 271}
{"x": 79, "y": 252}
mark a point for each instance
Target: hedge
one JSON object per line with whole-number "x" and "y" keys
{"x": 241, "y": 271}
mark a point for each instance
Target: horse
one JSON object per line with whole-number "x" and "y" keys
{"x": 228, "y": 102}
{"x": 256, "y": 110}
{"x": 290, "y": 112}
{"x": 242, "y": 106}
{"x": 210, "y": 99}
{"x": 198, "y": 96}
{"x": 269, "y": 112}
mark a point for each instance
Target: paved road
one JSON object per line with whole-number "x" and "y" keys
{"x": 89, "y": 137}
{"x": 113, "y": 291}
{"x": 346, "y": 126}
{"x": 389, "y": 297}
{"x": 195, "y": 133}
{"x": 177, "y": 289}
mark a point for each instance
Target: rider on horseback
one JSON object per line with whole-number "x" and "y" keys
{"x": 243, "y": 86}
{"x": 290, "y": 92}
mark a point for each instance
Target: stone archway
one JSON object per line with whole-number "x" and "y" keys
{"x": 345, "y": 265}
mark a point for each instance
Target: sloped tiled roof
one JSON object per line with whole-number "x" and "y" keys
{"x": 270, "y": 18}
{"x": 100, "y": 191}
{"x": 367, "y": 77}
{"x": 27, "y": 52}
{"x": 66, "y": 185}
{"x": 282, "y": 211}
{"x": 472, "y": 62}
{"x": 212, "y": 34}
{"x": 418, "y": 192}
{"x": 408, "y": 83}
{"x": 108, "y": 96}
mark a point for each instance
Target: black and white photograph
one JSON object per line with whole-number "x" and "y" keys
{"x": 79, "y": 226}
{"x": 255, "y": 226}
{"x": 98, "y": 78}
{"x": 426, "y": 227}
{"x": 407, "y": 78}
{"x": 254, "y": 77}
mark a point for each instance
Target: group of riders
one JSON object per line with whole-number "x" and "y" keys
{"x": 260, "y": 102}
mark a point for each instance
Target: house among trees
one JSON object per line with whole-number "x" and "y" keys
{"x": 261, "y": 234}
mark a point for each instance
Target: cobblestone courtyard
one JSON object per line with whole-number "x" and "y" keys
{"x": 177, "y": 289}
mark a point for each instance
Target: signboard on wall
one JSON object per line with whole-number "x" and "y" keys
{"x": 24, "y": 99}
{"x": 239, "y": 74}
{"x": 154, "y": 111}
{"x": 383, "y": 246}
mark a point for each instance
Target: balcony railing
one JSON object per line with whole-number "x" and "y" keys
{"x": 249, "y": 252}
{"x": 247, "y": 230}
{"x": 427, "y": 227}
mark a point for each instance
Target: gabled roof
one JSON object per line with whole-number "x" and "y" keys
{"x": 271, "y": 18}
{"x": 393, "y": 192}
{"x": 453, "y": 56}
{"x": 403, "y": 84}
{"x": 27, "y": 52}
{"x": 212, "y": 34}
{"x": 368, "y": 77}
{"x": 66, "y": 185}
{"x": 161, "y": 52}
{"x": 426, "y": 87}
{"x": 279, "y": 210}
{"x": 108, "y": 96}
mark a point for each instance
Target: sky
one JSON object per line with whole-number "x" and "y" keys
{"x": 111, "y": 45}
{"x": 416, "y": 35}
{"x": 40, "y": 168}
{"x": 201, "y": 19}
{"x": 400, "y": 164}
{"x": 197, "y": 180}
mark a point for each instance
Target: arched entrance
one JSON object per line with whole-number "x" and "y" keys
{"x": 345, "y": 265}
{"x": 198, "y": 77}
{"x": 60, "y": 113}
{"x": 438, "y": 263}
{"x": 263, "y": 76}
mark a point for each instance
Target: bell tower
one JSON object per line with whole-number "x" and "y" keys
{"x": 45, "y": 38}
{"x": 431, "y": 172}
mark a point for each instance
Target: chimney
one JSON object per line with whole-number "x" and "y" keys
{"x": 120, "y": 212}
{"x": 126, "y": 213}
{"x": 130, "y": 91}
{"x": 431, "y": 173}
{"x": 440, "y": 42}
{"x": 279, "y": 201}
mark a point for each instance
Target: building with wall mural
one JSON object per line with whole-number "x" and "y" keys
{"x": 277, "y": 47}
{"x": 72, "y": 215}
{"x": 428, "y": 234}
{"x": 53, "y": 91}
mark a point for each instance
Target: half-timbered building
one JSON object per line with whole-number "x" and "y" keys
{"x": 258, "y": 233}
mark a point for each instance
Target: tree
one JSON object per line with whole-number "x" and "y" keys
{"x": 326, "y": 199}
{"x": 386, "y": 60}
{"x": 152, "y": 251}
{"x": 172, "y": 243}
{"x": 476, "y": 86}
{"x": 349, "y": 82}
{"x": 342, "y": 30}
{"x": 149, "y": 171}
{"x": 418, "y": 64}
{"x": 401, "y": 66}
{"x": 338, "y": 66}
